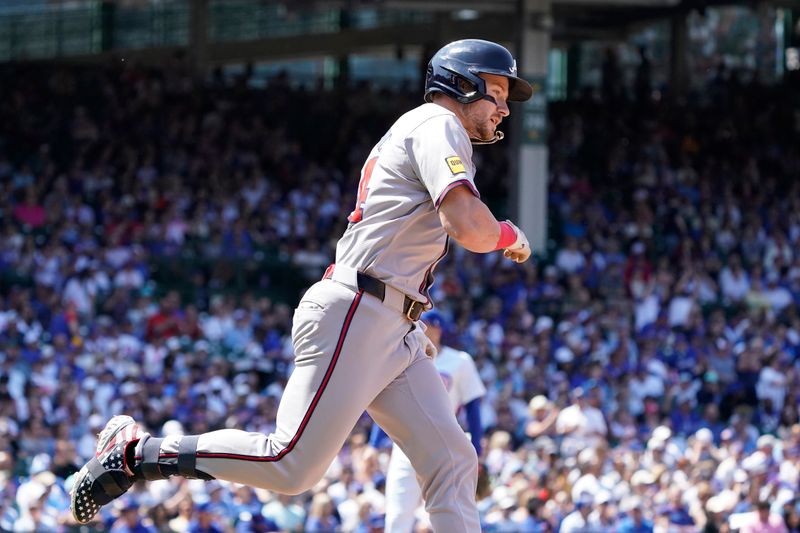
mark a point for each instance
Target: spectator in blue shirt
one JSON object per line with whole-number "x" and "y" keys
{"x": 634, "y": 521}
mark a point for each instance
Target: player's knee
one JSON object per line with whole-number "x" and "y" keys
{"x": 460, "y": 462}
{"x": 298, "y": 483}
{"x": 456, "y": 468}
{"x": 293, "y": 489}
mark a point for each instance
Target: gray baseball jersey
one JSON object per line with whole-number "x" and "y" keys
{"x": 395, "y": 234}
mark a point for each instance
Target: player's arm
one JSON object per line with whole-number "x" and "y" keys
{"x": 474, "y": 425}
{"x": 468, "y": 221}
{"x": 535, "y": 428}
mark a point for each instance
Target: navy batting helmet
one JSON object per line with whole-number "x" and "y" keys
{"x": 455, "y": 71}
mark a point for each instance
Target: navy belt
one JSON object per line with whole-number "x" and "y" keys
{"x": 411, "y": 309}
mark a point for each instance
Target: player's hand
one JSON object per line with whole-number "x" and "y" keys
{"x": 430, "y": 348}
{"x": 520, "y": 251}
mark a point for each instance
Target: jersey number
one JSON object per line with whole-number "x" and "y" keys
{"x": 363, "y": 187}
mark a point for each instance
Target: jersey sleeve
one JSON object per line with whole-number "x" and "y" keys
{"x": 469, "y": 383}
{"x": 440, "y": 151}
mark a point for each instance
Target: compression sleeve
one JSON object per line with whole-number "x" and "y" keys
{"x": 474, "y": 423}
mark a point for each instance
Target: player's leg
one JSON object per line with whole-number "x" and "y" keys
{"x": 345, "y": 346}
{"x": 348, "y": 346}
{"x": 416, "y": 412}
{"x": 403, "y": 494}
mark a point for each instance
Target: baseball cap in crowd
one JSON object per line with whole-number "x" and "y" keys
{"x": 172, "y": 427}
{"x": 204, "y": 507}
{"x": 642, "y": 477}
{"x": 543, "y": 323}
{"x": 726, "y": 434}
{"x": 740, "y": 476}
{"x": 509, "y": 502}
{"x": 584, "y": 499}
{"x": 587, "y": 456}
{"x": 538, "y": 402}
{"x": 603, "y": 496}
{"x": 29, "y": 493}
{"x": 662, "y": 433}
{"x": 704, "y": 436}
{"x": 500, "y": 492}
{"x": 126, "y": 504}
{"x": 202, "y": 346}
{"x": 434, "y": 319}
{"x": 39, "y": 463}
{"x": 129, "y": 388}
{"x": 630, "y": 503}
{"x": 564, "y": 355}
{"x": 765, "y": 441}
{"x": 90, "y": 383}
{"x": 173, "y": 344}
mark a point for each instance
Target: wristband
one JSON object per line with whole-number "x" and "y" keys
{"x": 508, "y": 236}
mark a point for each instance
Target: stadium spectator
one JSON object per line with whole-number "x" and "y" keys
{"x": 762, "y": 520}
{"x": 581, "y": 424}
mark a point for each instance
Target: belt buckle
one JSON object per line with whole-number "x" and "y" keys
{"x": 410, "y": 313}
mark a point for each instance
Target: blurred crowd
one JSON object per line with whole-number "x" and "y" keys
{"x": 642, "y": 376}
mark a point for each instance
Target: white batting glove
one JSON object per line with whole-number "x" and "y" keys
{"x": 520, "y": 251}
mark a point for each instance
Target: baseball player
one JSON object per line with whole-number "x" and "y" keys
{"x": 465, "y": 389}
{"x": 358, "y": 344}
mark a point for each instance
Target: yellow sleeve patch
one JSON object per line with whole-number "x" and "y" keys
{"x": 455, "y": 164}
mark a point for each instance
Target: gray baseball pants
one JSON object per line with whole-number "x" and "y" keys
{"x": 353, "y": 353}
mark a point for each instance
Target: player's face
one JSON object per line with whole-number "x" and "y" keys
{"x": 483, "y": 116}
{"x": 434, "y": 333}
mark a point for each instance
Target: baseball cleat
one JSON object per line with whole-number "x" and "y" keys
{"x": 106, "y": 476}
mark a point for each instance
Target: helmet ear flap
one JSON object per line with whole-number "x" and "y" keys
{"x": 466, "y": 87}
{"x": 455, "y": 79}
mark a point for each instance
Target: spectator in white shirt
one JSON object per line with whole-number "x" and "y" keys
{"x": 570, "y": 259}
{"x": 778, "y": 296}
{"x": 578, "y": 520}
{"x": 641, "y": 385}
{"x": 682, "y": 304}
{"x": 772, "y": 383}
{"x": 581, "y": 424}
{"x": 734, "y": 281}
{"x": 129, "y": 277}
